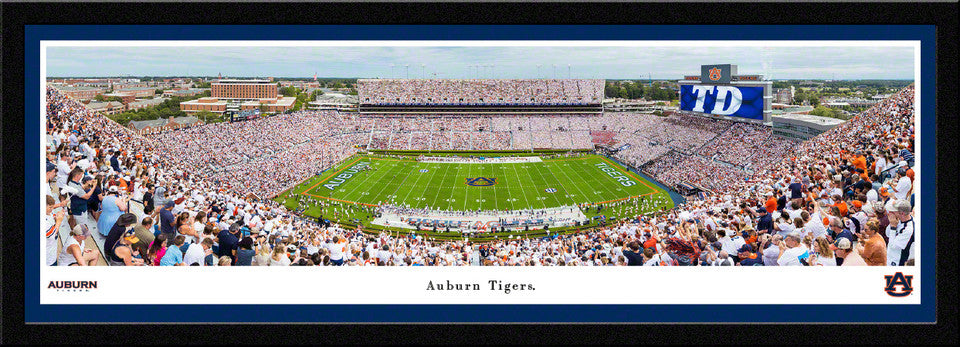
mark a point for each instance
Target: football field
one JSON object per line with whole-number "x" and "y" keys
{"x": 370, "y": 181}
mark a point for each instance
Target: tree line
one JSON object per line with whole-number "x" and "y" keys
{"x": 637, "y": 90}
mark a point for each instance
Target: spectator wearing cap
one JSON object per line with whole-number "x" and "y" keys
{"x": 81, "y": 188}
{"x": 874, "y": 248}
{"x": 902, "y": 190}
{"x": 51, "y": 189}
{"x": 51, "y": 227}
{"x": 228, "y": 240}
{"x": 844, "y": 250}
{"x": 113, "y": 207}
{"x": 900, "y": 233}
{"x": 906, "y": 155}
{"x": 765, "y": 221}
{"x": 75, "y": 252}
{"x": 748, "y": 257}
{"x": 119, "y": 244}
{"x": 168, "y": 221}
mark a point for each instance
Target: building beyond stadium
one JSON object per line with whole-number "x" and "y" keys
{"x": 233, "y": 96}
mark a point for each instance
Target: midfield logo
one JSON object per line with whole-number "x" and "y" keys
{"x": 898, "y": 279}
{"x": 715, "y": 74}
{"x": 481, "y": 181}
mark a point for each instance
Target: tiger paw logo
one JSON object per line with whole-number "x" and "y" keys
{"x": 898, "y": 280}
{"x": 481, "y": 181}
{"x": 715, "y": 74}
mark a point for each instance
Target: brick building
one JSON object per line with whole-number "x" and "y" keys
{"x": 139, "y": 92}
{"x": 243, "y": 89}
{"x": 217, "y": 105}
{"x": 81, "y": 93}
{"x": 125, "y": 98}
{"x": 112, "y": 107}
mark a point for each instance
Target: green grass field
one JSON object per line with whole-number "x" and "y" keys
{"x": 589, "y": 179}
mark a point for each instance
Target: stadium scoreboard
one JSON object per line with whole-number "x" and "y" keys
{"x": 720, "y": 92}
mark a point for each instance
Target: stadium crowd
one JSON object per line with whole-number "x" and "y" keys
{"x": 484, "y": 91}
{"x": 842, "y": 198}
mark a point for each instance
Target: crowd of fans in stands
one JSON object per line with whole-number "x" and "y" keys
{"x": 841, "y": 198}
{"x": 485, "y": 91}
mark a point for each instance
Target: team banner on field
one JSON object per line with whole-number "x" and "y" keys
{"x": 743, "y": 102}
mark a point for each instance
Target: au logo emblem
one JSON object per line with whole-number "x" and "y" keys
{"x": 898, "y": 280}
{"x": 715, "y": 74}
{"x": 481, "y": 181}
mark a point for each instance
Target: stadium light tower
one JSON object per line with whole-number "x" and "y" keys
{"x": 391, "y": 70}
{"x": 554, "y": 70}
{"x": 408, "y": 70}
{"x": 568, "y": 71}
{"x": 422, "y": 66}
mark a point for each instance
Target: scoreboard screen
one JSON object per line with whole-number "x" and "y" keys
{"x": 731, "y": 101}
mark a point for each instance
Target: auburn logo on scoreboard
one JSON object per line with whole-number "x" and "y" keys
{"x": 715, "y": 74}
{"x": 898, "y": 285}
{"x": 481, "y": 181}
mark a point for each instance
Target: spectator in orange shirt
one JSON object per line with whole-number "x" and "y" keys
{"x": 860, "y": 161}
{"x": 874, "y": 250}
{"x": 771, "y": 204}
{"x": 840, "y": 205}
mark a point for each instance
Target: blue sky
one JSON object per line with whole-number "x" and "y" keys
{"x": 461, "y": 62}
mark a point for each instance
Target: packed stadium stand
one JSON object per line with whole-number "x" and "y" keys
{"x": 401, "y": 97}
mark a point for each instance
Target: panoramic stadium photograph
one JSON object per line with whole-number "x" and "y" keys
{"x": 474, "y": 155}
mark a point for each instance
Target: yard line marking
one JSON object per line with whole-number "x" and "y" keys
{"x": 398, "y": 186}
{"x": 525, "y": 199}
{"x": 434, "y": 202}
{"x": 357, "y": 186}
{"x": 496, "y": 206}
{"x": 564, "y": 171}
{"x": 412, "y": 188}
{"x": 555, "y": 198}
{"x": 384, "y": 186}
